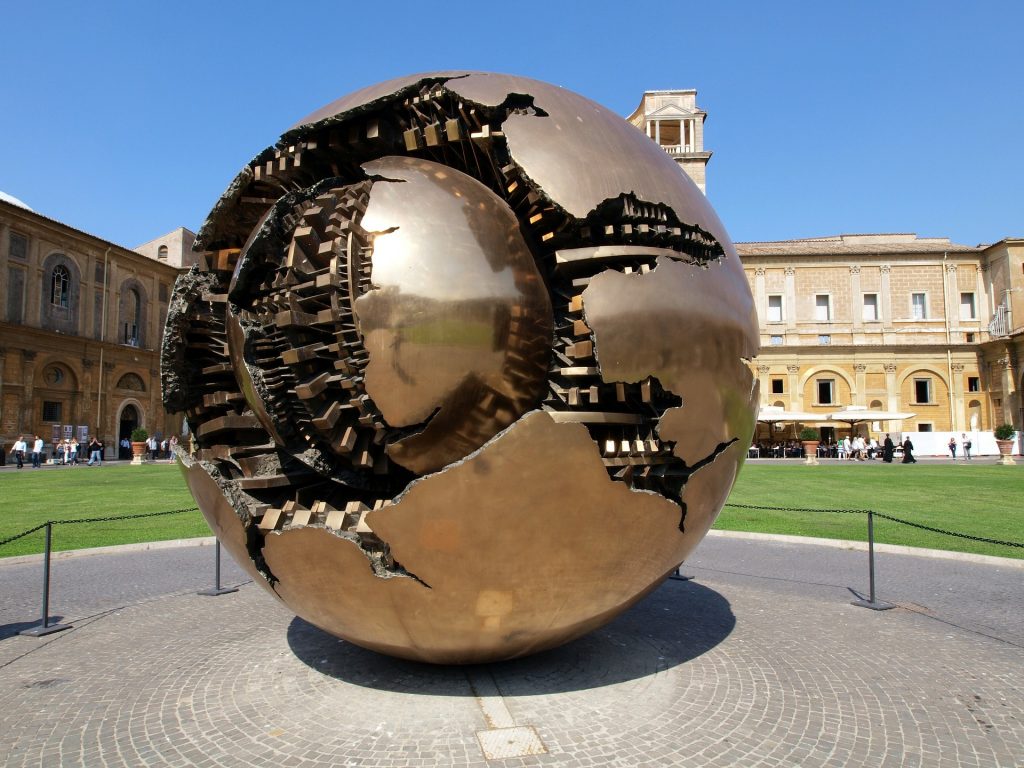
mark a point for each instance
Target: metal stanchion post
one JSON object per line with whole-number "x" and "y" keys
{"x": 45, "y": 627}
{"x": 677, "y": 574}
{"x": 872, "y": 603}
{"x": 217, "y": 589}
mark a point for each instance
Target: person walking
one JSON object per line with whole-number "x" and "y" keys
{"x": 73, "y": 452}
{"x": 37, "y": 452}
{"x": 19, "y": 450}
{"x": 95, "y": 452}
{"x": 888, "y": 449}
{"x": 965, "y": 441}
{"x": 908, "y": 452}
{"x": 952, "y": 447}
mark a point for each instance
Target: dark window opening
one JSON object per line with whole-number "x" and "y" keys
{"x": 826, "y": 391}
{"x": 974, "y": 384}
{"x": 52, "y": 411}
{"x": 922, "y": 390}
{"x": 778, "y": 386}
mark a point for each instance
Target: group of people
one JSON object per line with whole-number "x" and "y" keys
{"x": 156, "y": 449}
{"x": 965, "y": 442}
{"x": 889, "y": 450}
{"x": 65, "y": 452}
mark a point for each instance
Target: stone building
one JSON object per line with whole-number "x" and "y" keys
{"x": 81, "y": 321}
{"x": 674, "y": 121}
{"x": 894, "y": 322}
{"x": 890, "y": 321}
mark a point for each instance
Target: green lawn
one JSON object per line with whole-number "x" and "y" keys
{"x": 976, "y": 499}
{"x": 32, "y": 496}
{"x": 980, "y": 500}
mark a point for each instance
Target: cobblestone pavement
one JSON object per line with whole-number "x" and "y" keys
{"x": 760, "y": 661}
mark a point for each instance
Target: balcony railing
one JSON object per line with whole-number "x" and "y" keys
{"x": 998, "y": 326}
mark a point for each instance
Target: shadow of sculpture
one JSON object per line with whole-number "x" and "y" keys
{"x": 677, "y": 623}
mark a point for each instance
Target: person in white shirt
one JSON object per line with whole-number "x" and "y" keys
{"x": 37, "y": 451}
{"x": 19, "y": 450}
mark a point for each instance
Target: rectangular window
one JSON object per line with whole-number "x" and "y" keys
{"x": 923, "y": 390}
{"x": 823, "y": 308}
{"x": 967, "y": 307}
{"x": 870, "y": 306}
{"x": 15, "y": 295}
{"x": 18, "y": 247}
{"x": 51, "y": 410}
{"x": 775, "y": 309}
{"x": 925, "y": 426}
{"x": 826, "y": 391}
{"x": 824, "y": 338}
{"x": 969, "y": 338}
{"x": 918, "y": 306}
{"x": 778, "y": 386}
{"x": 775, "y": 341}
{"x": 974, "y": 384}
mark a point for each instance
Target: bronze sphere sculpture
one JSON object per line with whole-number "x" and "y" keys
{"x": 465, "y": 365}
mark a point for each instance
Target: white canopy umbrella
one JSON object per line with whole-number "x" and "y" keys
{"x": 854, "y": 415}
{"x": 774, "y": 414}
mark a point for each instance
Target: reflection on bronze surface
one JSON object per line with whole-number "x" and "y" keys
{"x": 464, "y": 362}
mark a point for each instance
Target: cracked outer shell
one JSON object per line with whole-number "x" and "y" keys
{"x": 496, "y": 385}
{"x": 507, "y": 573}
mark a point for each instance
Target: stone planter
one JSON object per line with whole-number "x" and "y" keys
{"x": 1005, "y": 451}
{"x": 810, "y": 451}
{"x": 138, "y": 451}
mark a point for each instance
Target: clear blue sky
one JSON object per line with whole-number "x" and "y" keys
{"x": 127, "y": 119}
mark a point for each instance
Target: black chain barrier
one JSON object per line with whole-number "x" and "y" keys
{"x": 45, "y": 627}
{"x": 108, "y": 519}
{"x": 955, "y": 534}
{"x": 871, "y": 602}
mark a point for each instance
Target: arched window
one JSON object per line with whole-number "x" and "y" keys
{"x": 60, "y": 287}
{"x": 161, "y": 253}
{"x": 131, "y": 381}
{"x": 133, "y": 318}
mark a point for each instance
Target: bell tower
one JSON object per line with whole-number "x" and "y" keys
{"x": 673, "y": 120}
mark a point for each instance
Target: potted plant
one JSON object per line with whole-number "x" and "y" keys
{"x": 1004, "y": 439}
{"x": 139, "y": 436}
{"x": 810, "y": 439}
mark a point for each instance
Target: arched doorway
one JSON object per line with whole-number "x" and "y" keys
{"x": 129, "y": 421}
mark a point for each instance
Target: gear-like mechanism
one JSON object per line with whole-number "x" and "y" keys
{"x": 394, "y": 285}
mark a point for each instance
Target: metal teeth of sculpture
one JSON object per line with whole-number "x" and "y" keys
{"x": 464, "y": 364}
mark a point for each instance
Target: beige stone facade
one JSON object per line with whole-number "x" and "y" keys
{"x": 174, "y": 248}
{"x": 81, "y": 321}
{"x": 891, "y": 321}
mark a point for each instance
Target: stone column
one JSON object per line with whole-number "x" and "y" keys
{"x": 796, "y": 397}
{"x": 28, "y": 404}
{"x": 105, "y": 415}
{"x": 762, "y": 380}
{"x": 984, "y": 308}
{"x": 892, "y": 392}
{"x": 956, "y": 396}
{"x": 155, "y": 423}
{"x": 789, "y": 303}
{"x": 88, "y": 394}
{"x": 860, "y": 371}
{"x": 1008, "y": 386}
{"x": 856, "y": 300}
{"x": 885, "y": 297}
{"x": 760, "y": 295}
{"x": 5, "y": 246}
{"x": 953, "y": 299}
{"x": 3, "y": 358}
